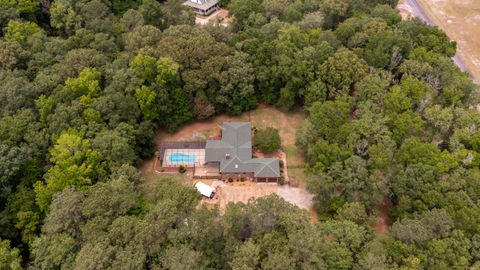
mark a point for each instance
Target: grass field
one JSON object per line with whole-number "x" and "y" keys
{"x": 460, "y": 19}
{"x": 296, "y": 165}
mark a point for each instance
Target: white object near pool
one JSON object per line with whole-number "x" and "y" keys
{"x": 205, "y": 190}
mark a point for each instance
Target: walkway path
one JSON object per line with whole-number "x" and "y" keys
{"x": 383, "y": 220}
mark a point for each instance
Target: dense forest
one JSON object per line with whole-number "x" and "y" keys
{"x": 85, "y": 84}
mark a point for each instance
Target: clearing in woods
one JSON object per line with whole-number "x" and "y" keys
{"x": 264, "y": 116}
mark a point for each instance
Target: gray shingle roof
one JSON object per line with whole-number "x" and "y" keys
{"x": 266, "y": 167}
{"x": 234, "y": 152}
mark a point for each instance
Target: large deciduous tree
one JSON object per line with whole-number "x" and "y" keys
{"x": 341, "y": 71}
{"x": 24, "y": 7}
{"x": 159, "y": 93}
{"x": 74, "y": 164}
{"x": 201, "y": 67}
{"x": 9, "y": 257}
{"x": 267, "y": 139}
{"x": 237, "y": 92}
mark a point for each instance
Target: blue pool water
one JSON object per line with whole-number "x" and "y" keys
{"x": 180, "y": 157}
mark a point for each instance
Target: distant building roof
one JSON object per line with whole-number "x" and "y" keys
{"x": 201, "y": 4}
{"x": 234, "y": 152}
{"x": 205, "y": 189}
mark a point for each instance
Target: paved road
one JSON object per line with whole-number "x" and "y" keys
{"x": 458, "y": 61}
{"x": 416, "y": 9}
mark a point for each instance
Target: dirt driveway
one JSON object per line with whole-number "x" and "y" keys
{"x": 220, "y": 16}
{"x": 297, "y": 196}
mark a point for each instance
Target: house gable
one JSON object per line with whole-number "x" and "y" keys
{"x": 234, "y": 152}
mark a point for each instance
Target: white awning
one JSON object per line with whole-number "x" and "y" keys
{"x": 205, "y": 189}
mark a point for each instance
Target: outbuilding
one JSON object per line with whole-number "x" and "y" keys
{"x": 203, "y": 7}
{"x": 205, "y": 190}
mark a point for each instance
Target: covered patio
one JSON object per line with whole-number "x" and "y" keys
{"x": 207, "y": 171}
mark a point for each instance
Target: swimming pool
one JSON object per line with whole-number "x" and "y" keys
{"x": 180, "y": 157}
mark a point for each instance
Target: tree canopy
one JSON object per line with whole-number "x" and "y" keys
{"x": 267, "y": 139}
{"x": 391, "y": 123}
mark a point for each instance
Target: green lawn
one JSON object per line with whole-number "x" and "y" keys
{"x": 296, "y": 165}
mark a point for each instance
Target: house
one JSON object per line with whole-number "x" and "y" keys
{"x": 203, "y": 7}
{"x": 205, "y": 190}
{"x": 233, "y": 155}
{"x": 227, "y": 158}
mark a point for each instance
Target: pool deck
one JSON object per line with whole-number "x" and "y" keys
{"x": 198, "y": 153}
{"x": 207, "y": 171}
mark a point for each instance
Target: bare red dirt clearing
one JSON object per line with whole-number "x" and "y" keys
{"x": 383, "y": 221}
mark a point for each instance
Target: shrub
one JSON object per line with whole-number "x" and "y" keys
{"x": 267, "y": 139}
{"x": 182, "y": 169}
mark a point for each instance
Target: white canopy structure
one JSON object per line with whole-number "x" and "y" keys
{"x": 205, "y": 189}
